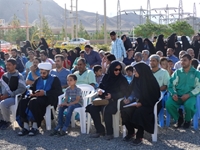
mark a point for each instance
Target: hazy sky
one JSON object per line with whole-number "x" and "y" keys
{"x": 98, "y": 5}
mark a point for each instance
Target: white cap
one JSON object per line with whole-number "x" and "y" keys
{"x": 45, "y": 66}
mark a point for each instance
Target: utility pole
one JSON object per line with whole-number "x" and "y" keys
{"x": 118, "y": 18}
{"x": 105, "y": 24}
{"x": 65, "y": 23}
{"x": 27, "y": 22}
{"x": 72, "y": 21}
{"x": 76, "y": 19}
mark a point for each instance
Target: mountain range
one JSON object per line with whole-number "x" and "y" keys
{"x": 55, "y": 15}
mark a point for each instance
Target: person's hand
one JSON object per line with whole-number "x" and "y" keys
{"x": 139, "y": 104}
{"x": 3, "y": 97}
{"x": 175, "y": 97}
{"x": 185, "y": 97}
{"x": 64, "y": 104}
{"x": 108, "y": 96}
{"x": 126, "y": 101}
{"x": 40, "y": 93}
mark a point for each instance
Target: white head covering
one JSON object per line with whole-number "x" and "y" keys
{"x": 45, "y": 66}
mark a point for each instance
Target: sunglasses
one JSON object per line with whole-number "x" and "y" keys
{"x": 117, "y": 69}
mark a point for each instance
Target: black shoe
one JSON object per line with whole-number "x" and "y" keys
{"x": 137, "y": 141}
{"x": 55, "y": 132}
{"x": 1, "y": 123}
{"x": 186, "y": 124}
{"x": 97, "y": 135}
{"x": 5, "y": 125}
{"x": 180, "y": 119}
{"x": 23, "y": 132}
{"x": 62, "y": 133}
{"x": 33, "y": 132}
{"x": 128, "y": 137}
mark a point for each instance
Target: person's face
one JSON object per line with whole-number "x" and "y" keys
{"x": 136, "y": 74}
{"x": 145, "y": 42}
{"x": 87, "y": 50}
{"x": 35, "y": 63}
{"x": 54, "y": 52}
{"x": 154, "y": 63}
{"x": 137, "y": 59}
{"x": 160, "y": 54}
{"x": 30, "y": 55}
{"x": 164, "y": 64}
{"x": 171, "y": 64}
{"x": 145, "y": 56}
{"x": 64, "y": 54}
{"x": 10, "y": 67}
{"x": 59, "y": 63}
{"x": 6, "y": 56}
{"x": 43, "y": 57}
{"x": 130, "y": 53}
{"x": 13, "y": 53}
{"x": 191, "y": 53}
{"x": 71, "y": 81}
{"x": 113, "y": 37}
{"x": 82, "y": 55}
{"x": 99, "y": 73}
{"x": 101, "y": 55}
{"x": 81, "y": 66}
{"x": 169, "y": 52}
{"x": 117, "y": 70}
{"x": 129, "y": 73}
{"x": 185, "y": 63}
{"x": 44, "y": 73}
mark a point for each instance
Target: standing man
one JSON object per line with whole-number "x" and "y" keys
{"x": 118, "y": 48}
{"x": 12, "y": 83}
{"x": 60, "y": 71}
{"x": 161, "y": 75}
{"x": 20, "y": 65}
{"x": 184, "y": 86}
{"x": 92, "y": 57}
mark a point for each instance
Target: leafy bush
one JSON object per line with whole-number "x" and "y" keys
{"x": 105, "y": 47}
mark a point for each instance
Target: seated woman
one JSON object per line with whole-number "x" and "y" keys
{"x": 146, "y": 92}
{"x": 115, "y": 86}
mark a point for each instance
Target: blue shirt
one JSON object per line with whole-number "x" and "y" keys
{"x": 62, "y": 75}
{"x": 118, "y": 49}
{"x": 127, "y": 61}
{"x": 93, "y": 58}
{"x": 173, "y": 58}
{"x": 30, "y": 76}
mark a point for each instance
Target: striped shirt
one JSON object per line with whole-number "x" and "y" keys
{"x": 118, "y": 49}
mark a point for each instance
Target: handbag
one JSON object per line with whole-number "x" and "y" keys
{"x": 100, "y": 102}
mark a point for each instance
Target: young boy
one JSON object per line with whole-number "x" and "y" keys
{"x": 98, "y": 74}
{"x": 73, "y": 99}
{"x": 129, "y": 73}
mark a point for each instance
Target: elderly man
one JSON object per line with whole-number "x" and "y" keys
{"x": 45, "y": 91}
{"x": 34, "y": 73}
{"x": 161, "y": 75}
{"x": 145, "y": 56}
{"x": 84, "y": 76}
{"x": 178, "y": 64}
{"x": 190, "y": 51}
{"x": 12, "y": 83}
{"x": 138, "y": 58}
{"x": 92, "y": 57}
{"x": 184, "y": 86}
{"x": 171, "y": 56}
{"x": 60, "y": 71}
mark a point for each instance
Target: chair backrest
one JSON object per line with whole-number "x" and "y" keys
{"x": 86, "y": 89}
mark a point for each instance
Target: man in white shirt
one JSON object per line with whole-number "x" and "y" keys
{"x": 44, "y": 58}
{"x": 161, "y": 75}
{"x": 178, "y": 64}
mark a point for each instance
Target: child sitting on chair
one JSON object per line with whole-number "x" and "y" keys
{"x": 98, "y": 74}
{"x": 129, "y": 73}
{"x": 73, "y": 99}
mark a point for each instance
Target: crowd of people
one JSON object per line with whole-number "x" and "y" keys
{"x": 137, "y": 73}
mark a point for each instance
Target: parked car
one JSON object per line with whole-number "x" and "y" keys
{"x": 5, "y": 46}
{"x": 79, "y": 41}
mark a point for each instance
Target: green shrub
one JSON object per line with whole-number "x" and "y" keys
{"x": 105, "y": 47}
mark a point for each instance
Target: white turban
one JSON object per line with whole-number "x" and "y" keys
{"x": 45, "y": 66}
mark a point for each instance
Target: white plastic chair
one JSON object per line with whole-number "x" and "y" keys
{"x": 86, "y": 89}
{"x": 116, "y": 117}
{"x": 13, "y": 110}
{"x": 47, "y": 116}
{"x": 155, "y": 134}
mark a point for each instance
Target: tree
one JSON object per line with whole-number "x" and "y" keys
{"x": 82, "y": 32}
{"x": 47, "y": 32}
